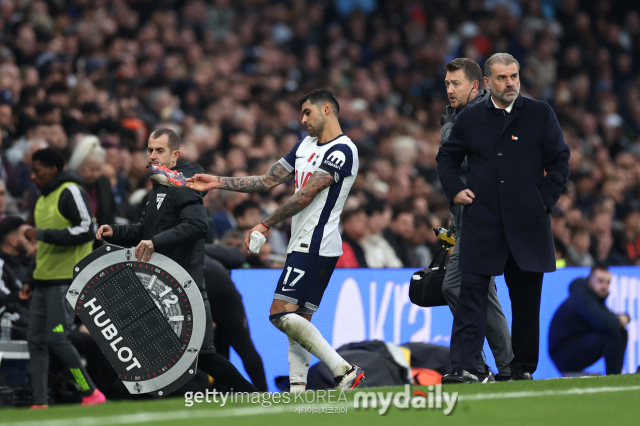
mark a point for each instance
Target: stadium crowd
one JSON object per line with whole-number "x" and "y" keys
{"x": 226, "y": 76}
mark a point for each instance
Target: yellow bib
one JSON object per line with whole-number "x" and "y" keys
{"x": 54, "y": 262}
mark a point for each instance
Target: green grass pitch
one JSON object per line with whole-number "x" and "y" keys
{"x": 613, "y": 400}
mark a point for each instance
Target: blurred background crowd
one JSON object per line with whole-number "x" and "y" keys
{"x": 226, "y": 75}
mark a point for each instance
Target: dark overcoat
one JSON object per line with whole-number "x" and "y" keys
{"x": 517, "y": 170}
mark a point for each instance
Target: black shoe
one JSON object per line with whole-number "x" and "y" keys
{"x": 520, "y": 375}
{"x": 486, "y": 376}
{"x": 503, "y": 377}
{"x": 459, "y": 376}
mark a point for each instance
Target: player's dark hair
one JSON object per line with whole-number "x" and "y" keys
{"x": 319, "y": 97}
{"x": 242, "y": 208}
{"x": 174, "y": 139}
{"x": 469, "y": 67}
{"x": 598, "y": 267}
{"x": 9, "y": 225}
{"x": 49, "y": 157}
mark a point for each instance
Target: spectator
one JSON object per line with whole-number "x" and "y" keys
{"x": 354, "y": 225}
{"x": 559, "y": 225}
{"x": 88, "y": 158}
{"x": 378, "y": 252}
{"x": 422, "y": 236}
{"x": 561, "y": 253}
{"x": 400, "y": 232}
{"x": 627, "y": 242}
{"x": 583, "y": 329}
{"x": 7, "y": 127}
{"x": 247, "y": 214}
{"x": 19, "y": 183}
{"x": 16, "y": 256}
{"x": 3, "y": 199}
{"x": 224, "y": 220}
{"x": 578, "y": 251}
{"x": 601, "y": 236}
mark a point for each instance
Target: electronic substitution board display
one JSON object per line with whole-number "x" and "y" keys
{"x": 147, "y": 317}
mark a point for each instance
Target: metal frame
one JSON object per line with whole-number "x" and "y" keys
{"x": 119, "y": 255}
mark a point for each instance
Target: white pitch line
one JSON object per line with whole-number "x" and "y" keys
{"x": 149, "y": 417}
{"x": 532, "y": 394}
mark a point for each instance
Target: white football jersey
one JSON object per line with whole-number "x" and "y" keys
{"x": 315, "y": 229}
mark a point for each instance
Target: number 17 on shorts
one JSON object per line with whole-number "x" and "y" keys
{"x": 304, "y": 279}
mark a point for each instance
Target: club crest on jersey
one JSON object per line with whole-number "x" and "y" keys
{"x": 160, "y": 199}
{"x": 336, "y": 160}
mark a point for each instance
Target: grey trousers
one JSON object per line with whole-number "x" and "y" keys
{"x": 50, "y": 317}
{"x": 498, "y": 334}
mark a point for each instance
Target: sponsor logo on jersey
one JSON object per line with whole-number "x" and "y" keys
{"x": 336, "y": 160}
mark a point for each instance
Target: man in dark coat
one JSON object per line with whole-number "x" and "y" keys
{"x": 583, "y": 329}
{"x": 518, "y": 164}
{"x": 175, "y": 224}
{"x": 464, "y": 81}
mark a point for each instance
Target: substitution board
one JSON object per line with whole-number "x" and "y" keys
{"x": 148, "y": 318}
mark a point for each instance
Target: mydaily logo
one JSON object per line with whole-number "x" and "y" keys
{"x": 433, "y": 399}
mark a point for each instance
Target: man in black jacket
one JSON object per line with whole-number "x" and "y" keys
{"x": 464, "y": 81}
{"x": 16, "y": 270}
{"x": 175, "y": 224}
{"x": 583, "y": 329}
{"x": 228, "y": 313}
{"x": 518, "y": 164}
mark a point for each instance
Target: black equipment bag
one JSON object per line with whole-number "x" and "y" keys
{"x": 426, "y": 285}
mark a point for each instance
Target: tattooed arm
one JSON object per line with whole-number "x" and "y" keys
{"x": 318, "y": 181}
{"x": 276, "y": 175}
